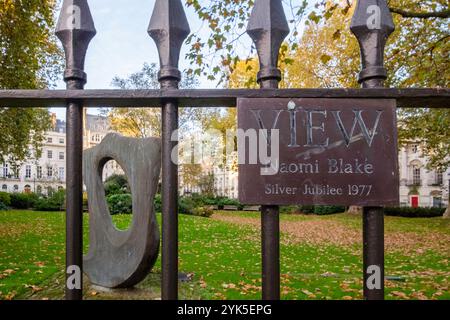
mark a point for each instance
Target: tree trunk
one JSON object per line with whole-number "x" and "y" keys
{"x": 447, "y": 212}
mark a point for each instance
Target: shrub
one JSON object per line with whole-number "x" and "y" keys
{"x": 203, "y": 212}
{"x": 223, "y": 201}
{"x": 112, "y": 188}
{"x": 409, "y": 212}
{"x": 120, "y": 204}
{"x": 321, "y": 210}
{"x": 289, "y": 209}
{"x": 116, "y": 184}
{"x": 158, "y": 203}
{"x": 23, "y": 200}
{"x": 324, "y": 210}
{"x": 56, "y": 202}
{"x": 5, "y": 198}
{"x": 3, "y": 207}
{"x": 306, "y": 209}
{"x": 186, "y": 205}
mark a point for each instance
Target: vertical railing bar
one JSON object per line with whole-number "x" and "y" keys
{"x": 169, "y": 284}
{"x": 169, "y": 28}
{"x": 75, "y": 29}
{"x": 372, "y": 24}
{"x": 268, "y": 28}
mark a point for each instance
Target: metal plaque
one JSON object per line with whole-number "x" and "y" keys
{"x": 318, "y": 151}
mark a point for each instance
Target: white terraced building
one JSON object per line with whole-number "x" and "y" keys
{"x": 419, "y": 186}
{"x": 48, "y": 173}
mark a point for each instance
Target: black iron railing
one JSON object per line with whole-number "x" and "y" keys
{"x": 169, "y": 28}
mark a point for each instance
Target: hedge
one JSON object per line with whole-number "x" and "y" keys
{"x": 419, "y": 212}
{"x": 3, "y": 207}
{"x": 23, "y": 200}
{"x": 56, "y": 202}
{"x": 321, "y": 210}
{"x": 5, "y": 199}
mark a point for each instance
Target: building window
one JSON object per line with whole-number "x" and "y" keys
{"x": 50, "y": 140}
{"x": 61, "y": 141}
{"x": 61, "y": 173}
{"x": 439, "y": 178}
{"x": 39, "y": 172}
{"x": 4, "y": 187}
{"x": 437, "y": 202}
{"x": 28, "y": 172}
{"x": 49, "y": 172}
{"x": 416, "y": 176}
{"x": 27, "y": 189}
{"x": 16, "y": 188}
{"x": 61, "y": 156}
{"x": 414, "y": 148}
{"x": 39, "y": 190}
{"x": 5, "y": 171}
{"x": 49, "y": 154}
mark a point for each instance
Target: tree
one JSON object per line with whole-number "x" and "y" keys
{"x": 327, "y": 56}
{"x": 29, "y": 59}
{"x": 206, "y": 184}
{"x": 227, "y": 20}
{"x": 146, "y": 122}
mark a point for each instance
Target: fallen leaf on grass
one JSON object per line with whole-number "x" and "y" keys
{"x": 9, "y": 271}
{"x": 400, "y": 294}
{"x": 10, "y": 296}
{"x": 309, "y": 293}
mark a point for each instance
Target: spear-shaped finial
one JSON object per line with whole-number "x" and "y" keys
{"x": 169, "y": 28}
{"x": 372, "y": 24}
{"x": 268, "y": 28}
{"x": 75, "y": 29}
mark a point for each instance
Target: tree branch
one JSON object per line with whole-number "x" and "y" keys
{"x": 421, "y": 15}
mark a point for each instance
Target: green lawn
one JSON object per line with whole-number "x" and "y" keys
{"x": 320, "y": 257}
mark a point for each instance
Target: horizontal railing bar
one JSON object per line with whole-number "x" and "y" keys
{"x": 406, "y": 98}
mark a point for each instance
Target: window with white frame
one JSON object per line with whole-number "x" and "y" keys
{"x": 49, "y": 171}
{"x": 416, "y": 176}
{"x": 61, "y": 140}
{"x": 5, "y": 170}
{"x": 27, "y": 172}
{"x": 61, "y": 173}
{"x": 49, "y": 140}
{"x": 61, "y": 156}
{"x": 39, "y": 172}
{"x": 49, "y": 154}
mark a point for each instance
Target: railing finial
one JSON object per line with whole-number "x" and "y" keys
{"x": 268, "y": 28}
{"x": 372, "y": 24}
{"x": 169, "y": 28}
{"x": 75, "y": 29}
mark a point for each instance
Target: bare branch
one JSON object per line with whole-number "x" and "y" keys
{"x": 421, "y": 15}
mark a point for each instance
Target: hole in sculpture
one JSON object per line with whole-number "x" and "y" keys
{"x": 118, "y": 195}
